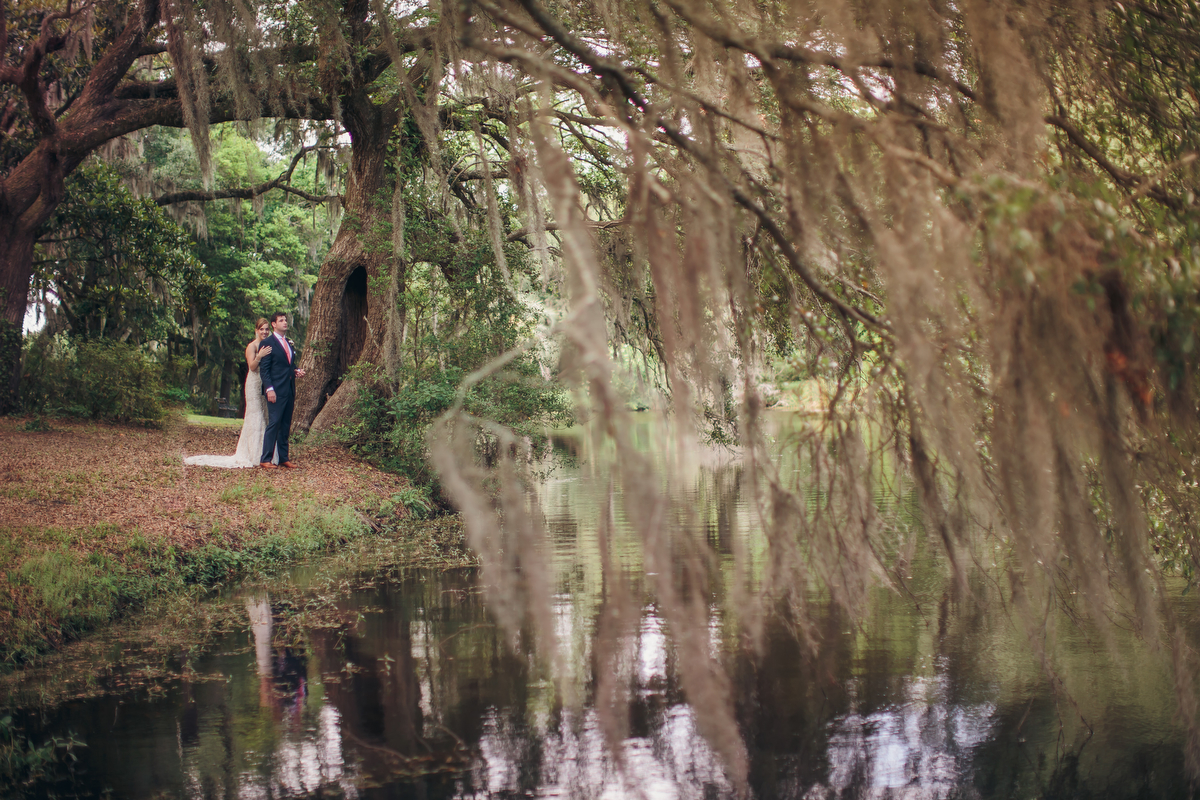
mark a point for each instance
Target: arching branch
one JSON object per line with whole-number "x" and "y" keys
{"x": 250, "y": 192}
{"x": 521, "y": 234}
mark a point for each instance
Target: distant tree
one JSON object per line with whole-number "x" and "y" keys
{"x": 117, "y": 267}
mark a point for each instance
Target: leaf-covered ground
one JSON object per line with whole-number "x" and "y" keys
{"x": 105, "y": 482}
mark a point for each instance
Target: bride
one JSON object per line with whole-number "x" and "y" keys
{"x": 250, "y": 442}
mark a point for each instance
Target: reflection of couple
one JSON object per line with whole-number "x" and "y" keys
{"x": 270, "y": 398}
{"x": 282, "y": 675}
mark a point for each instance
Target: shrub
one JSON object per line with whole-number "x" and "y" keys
{"x": 176, "y": 395}
{"x": 22, "y": 761}
{"x": 390, "y": 426}
{"x": 105, "y": 380}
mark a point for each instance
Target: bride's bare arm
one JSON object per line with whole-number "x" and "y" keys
{"x": 254, "y": 356}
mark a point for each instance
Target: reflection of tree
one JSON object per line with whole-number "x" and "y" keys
{"x": 372, "y": 679}
{"x": 434, "y": 637}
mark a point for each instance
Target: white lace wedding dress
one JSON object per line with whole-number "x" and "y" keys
{"x": 250, "y": 442}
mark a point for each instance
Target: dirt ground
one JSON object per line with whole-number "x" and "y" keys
{"x": 114, "y": 481}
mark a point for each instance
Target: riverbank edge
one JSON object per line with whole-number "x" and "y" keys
{"x": 59, "y": 596}
{"x": 181, "y": 620}
{"x": 66, "y": 576}
{"x": 66, "y": 598}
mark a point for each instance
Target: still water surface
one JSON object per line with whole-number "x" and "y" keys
{"x": 412, "y": 691}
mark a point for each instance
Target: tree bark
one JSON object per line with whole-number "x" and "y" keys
{"x": 28, "y": 196}
{"x": 347, "y": 317}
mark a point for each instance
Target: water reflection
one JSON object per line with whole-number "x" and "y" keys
{"x": 921, "y": 747}
{"x": 422, "y": 697}
{"x": 406, "y": 688}
{"x": 231, "y": 743}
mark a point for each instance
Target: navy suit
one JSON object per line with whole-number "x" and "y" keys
{"x": 279, "y": 373}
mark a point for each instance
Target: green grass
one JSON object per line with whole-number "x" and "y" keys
{"x": 241, "y": 493}
{"x": 58, "y": 594}
{"x": 213, "y": 422}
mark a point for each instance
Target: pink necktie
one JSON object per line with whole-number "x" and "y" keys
{"x": 286, "y": 349}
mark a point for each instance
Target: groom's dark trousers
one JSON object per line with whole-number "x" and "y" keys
{"x": 277, "y": 371}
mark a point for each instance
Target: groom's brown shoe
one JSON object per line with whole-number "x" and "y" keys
{"x": 289, "y": 465}
{"x": 266, "y": 465}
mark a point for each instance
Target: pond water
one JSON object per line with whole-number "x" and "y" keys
{"x": 405, "y": 687}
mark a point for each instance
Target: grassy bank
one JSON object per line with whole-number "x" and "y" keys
{"x": 65, "y": 590}
{"x": 145, "y": 650}
{"x": 98, "y": 520}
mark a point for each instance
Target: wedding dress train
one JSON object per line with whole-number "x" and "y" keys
{"x": 250, "y": 441}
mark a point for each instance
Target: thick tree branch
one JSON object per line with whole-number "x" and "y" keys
{"x": 522, "y": 234}
{"x": 250, "y": 192}
{"x": 119, "y": 57}
{"x": 27, "y": 76}
{"x": 8, "y": 116}
{"x": 479, "y": 175}
{"x": 246, "y": 193}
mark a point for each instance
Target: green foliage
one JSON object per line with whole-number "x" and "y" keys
{"x": 262, "y": 258}
{"x": 11, "y": 342}
{"x": 176, "y": 396}
{"x": 22, "y": 762}
{"x": 416, "y": 501}
{"x": 460, "y": 315}
{"x": 36, "y": 424}
{"x": 392, "y": 428}
{"x": 117, "y": 266}
{"x": 98, "y": 379}
{"x": 78, "y": 595}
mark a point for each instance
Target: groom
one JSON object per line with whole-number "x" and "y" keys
{"x": 278, "y": 371}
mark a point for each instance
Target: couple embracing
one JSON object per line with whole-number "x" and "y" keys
{"x": 270, "y": 398}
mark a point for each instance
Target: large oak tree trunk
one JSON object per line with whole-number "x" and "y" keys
{"x": 348, "y": 317}
{"x": 16, "y": 265}
{"x": 28, "y": 197}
